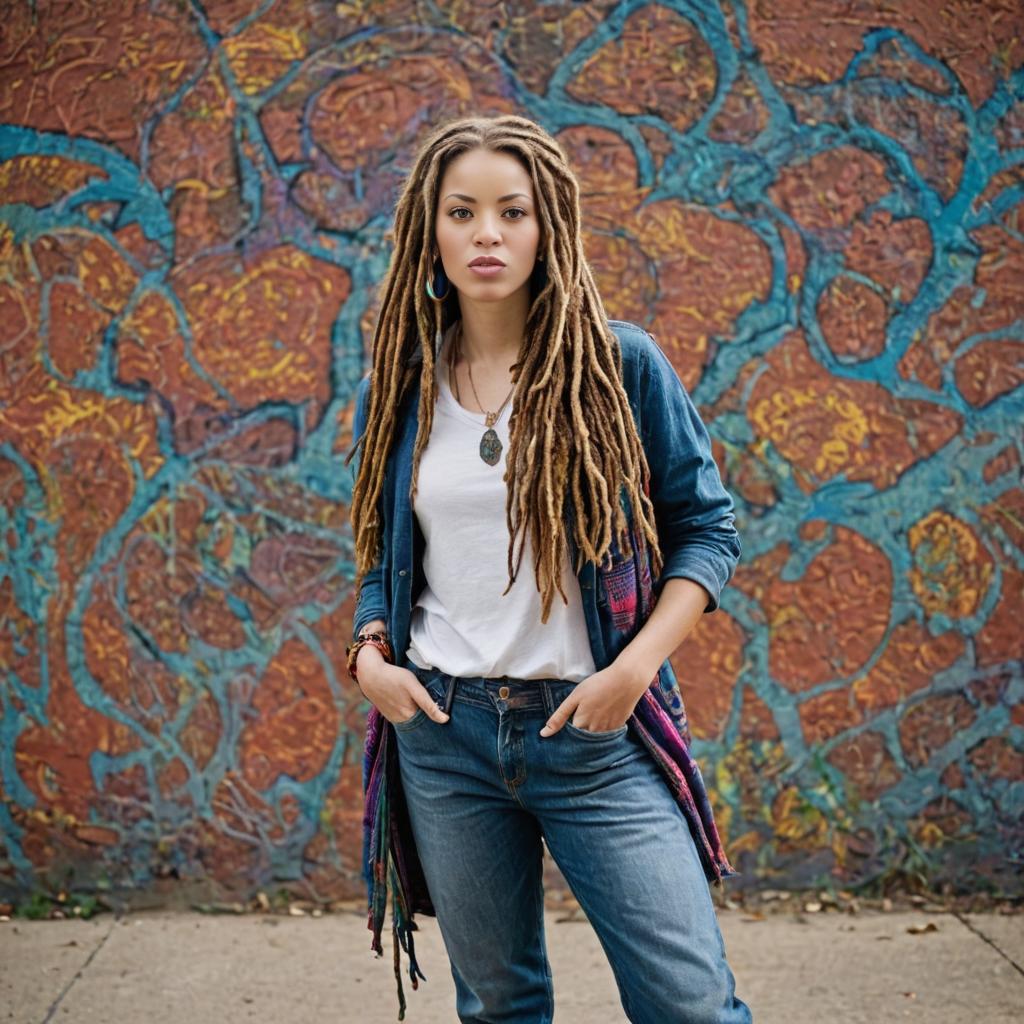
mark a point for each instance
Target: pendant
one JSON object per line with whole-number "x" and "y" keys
{"x": 490, "y": 447}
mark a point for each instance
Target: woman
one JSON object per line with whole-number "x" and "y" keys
{"x": 503, "y": 409}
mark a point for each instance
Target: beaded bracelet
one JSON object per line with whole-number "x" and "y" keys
{"x": 379, "y": 640}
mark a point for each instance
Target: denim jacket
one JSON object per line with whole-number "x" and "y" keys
{"x": 698, "y": 540}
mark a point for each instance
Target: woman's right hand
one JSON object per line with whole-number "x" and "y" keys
{"x": 394, "y": 691}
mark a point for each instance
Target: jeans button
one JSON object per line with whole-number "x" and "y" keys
{"x": 503, "y": 692}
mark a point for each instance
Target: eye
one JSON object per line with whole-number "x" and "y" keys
{"x": 462, "y": 209}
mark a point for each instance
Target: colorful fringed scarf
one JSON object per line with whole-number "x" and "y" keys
{"x": 659, "y": 720}
{"x": 389, "y": 852}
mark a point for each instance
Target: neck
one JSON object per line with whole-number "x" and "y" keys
{"x": 492, "y": 333}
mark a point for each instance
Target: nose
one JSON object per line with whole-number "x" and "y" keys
{"x": 487, "y": 231}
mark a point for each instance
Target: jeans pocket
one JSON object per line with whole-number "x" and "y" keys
{"x": 410, "y": 723}
{"x": 436, "y": 692}
{"x": 607, "y": 734}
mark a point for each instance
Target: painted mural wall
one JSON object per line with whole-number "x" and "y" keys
{"x": 819, "y": 215}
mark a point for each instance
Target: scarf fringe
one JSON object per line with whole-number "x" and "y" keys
{"x": 385, "y": 866}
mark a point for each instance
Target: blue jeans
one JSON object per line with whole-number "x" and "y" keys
{"x": 484, "y": 787}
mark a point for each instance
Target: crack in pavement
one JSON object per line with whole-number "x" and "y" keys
{"x": 981, "y": 935}
{"x": 81, "y": 970}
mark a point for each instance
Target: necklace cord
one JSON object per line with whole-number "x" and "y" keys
{"x": 490, "y": 417}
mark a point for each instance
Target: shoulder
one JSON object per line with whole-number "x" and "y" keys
{"x": 638, "y": 347}
{"x": 637, "y": 344}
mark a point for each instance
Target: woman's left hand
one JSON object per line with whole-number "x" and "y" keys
{"x": 602, "y": 702}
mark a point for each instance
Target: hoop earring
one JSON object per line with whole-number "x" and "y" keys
{"x": 440, "y": 280}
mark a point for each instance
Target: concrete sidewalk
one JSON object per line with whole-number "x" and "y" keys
{"x": 153, "y": 967}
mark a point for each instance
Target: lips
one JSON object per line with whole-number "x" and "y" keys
{"x": 487, "y": 261}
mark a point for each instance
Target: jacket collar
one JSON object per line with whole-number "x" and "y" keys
{"x": 417, "y": 356}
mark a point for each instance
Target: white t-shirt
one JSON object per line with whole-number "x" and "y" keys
{"x": 461, "y": 623}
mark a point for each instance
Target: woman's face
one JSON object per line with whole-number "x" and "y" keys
{"x": 485, "y": 210}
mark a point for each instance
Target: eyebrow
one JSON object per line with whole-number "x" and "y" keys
{"x": 470, "y": 199}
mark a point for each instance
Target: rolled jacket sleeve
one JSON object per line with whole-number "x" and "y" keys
{"x": 694, "y": 512}
{"x": 370, "y": 600}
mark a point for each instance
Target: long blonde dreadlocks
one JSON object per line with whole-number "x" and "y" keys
{"x": 571, "y": 425}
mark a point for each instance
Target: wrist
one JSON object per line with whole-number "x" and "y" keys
{"x": 368, "y": 654}
{"x": 379, "y": 641}
{"x": 637, "y": 672}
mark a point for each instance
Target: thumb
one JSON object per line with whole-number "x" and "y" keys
{"x": 426, "y": 701}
